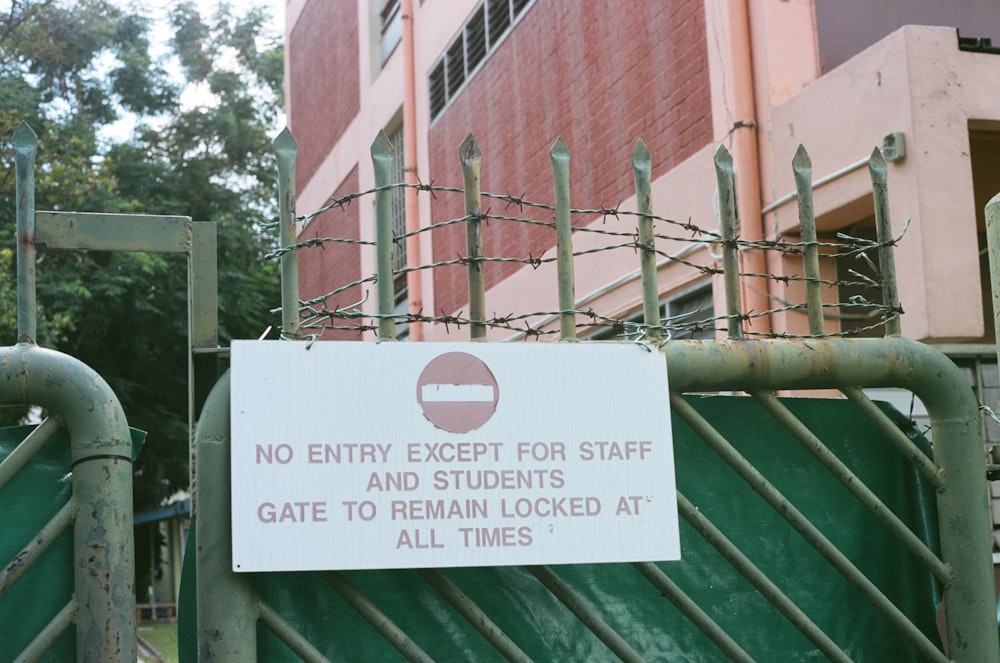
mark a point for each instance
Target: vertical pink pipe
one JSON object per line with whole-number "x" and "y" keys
{"x": 746, "y": 164}
{"x": 414, "y": 282}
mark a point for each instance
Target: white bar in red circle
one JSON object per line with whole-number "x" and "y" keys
{"x": 460, "y": 393}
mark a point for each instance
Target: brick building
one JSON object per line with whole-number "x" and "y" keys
{"x": 760, "y": 77}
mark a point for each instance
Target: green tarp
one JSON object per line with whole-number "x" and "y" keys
{"x": 547, "y": 631}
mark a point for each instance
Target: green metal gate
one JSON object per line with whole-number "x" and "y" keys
{"x": 616, "y": 611}
{"x": 99, "y": 506}
{"x": 99, "y": 450}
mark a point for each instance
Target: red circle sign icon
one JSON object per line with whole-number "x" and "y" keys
{"x": 457, "y": 392}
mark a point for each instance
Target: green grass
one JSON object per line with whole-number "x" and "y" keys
{"x": 162, "y": 636}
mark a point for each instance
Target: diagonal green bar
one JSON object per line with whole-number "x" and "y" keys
{"x": 586, "y": 614}
{"x": 690, "y": 609}
{"x": 48, "y": 635}
{"x": 855, "y": 485}
{"x": 803, "y": 526}
{"x": 475, "y": 616}
{"x": 759, "y": 580}
{"x": 898, "y": 438}
{"x": 38, "y": 545}
{"x": 963, "y": 512}
{"x": 24, "y": 451}
{"x": 287, "y": 633}
{"x": 378, "y": 619}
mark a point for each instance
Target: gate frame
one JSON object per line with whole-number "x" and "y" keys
{"x": 757, "y": 367}
{"x": 104, "y": 611}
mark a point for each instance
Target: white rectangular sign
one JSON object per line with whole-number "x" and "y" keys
{"x": 399, "y": 455}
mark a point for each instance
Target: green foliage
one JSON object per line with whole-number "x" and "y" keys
{"x": 73, "y": 68}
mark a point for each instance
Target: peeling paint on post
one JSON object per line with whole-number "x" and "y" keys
{"x": 25, "y": 144}
{"x": 101, "y": 451}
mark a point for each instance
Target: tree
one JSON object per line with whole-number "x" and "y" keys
{"x": 72, "y": 69}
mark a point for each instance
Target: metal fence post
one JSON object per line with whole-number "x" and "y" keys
{"x": 883, "y": 228}
{"x": 802, "y": 167}
{"x": 993, "y": 246}
{"x": 382, "y": 162}
{"x": 730, "y": 246}
{"x": 471, "y": 157}
{"x": 101, "y": 453}
{"x": 559, "y": 156}
{"x": 227, "y": 606}
{"x": 642, "y": 164}
{"x": 285, "y": 149}
{"x": 25, "y": 144}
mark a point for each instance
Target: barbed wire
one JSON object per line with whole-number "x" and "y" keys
{"x": 323, "y": 313}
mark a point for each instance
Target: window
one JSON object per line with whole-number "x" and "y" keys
{"x": 395, "y": 136}
{"x": 398, "y": 200}
{"x": 859, "y": 276}
{"x": 486, "y": 27}
{"x": 693, "y": 313}
{"x": 688, "y": 314}
{"x": 391, "y": 20}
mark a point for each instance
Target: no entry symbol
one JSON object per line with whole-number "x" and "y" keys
{"x": 457, "y": 392}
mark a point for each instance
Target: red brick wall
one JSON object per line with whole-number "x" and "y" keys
{"x": 324, "y": 80}
{"x": 601, "y": 74}
{"x": 325, "y": 268}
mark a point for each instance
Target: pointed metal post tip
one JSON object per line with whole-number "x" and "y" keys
{"x": 559, "y": 149}
{"x": 641, "y": 158}
{"x": 801, "y": 160}
{"x": 381, "y": 147}
{"x": 24, "y": 139}
{"x": 285, "y": 141}
{"x": 469, "y": 149}
{"x": 723, "y": 157}
{"x": 876, "y": 160}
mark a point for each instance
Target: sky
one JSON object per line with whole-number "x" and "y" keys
{"x": 158, "y": 10}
